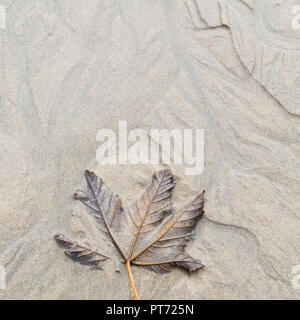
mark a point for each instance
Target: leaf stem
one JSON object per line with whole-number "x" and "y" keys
{"x": 132, "y": 280}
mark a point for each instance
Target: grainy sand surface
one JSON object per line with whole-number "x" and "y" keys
{"x": 69, "y": 68}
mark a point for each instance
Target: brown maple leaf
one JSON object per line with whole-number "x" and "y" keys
{"x": 148, "y": 232}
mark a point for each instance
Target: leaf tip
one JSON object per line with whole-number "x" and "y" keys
{"x": 60, "y": 239}
{"x": 89, "y": 173}
{"x": 79, "y": 195}
{"x": 75, "y": 196}
{"x": 58, "y": 236}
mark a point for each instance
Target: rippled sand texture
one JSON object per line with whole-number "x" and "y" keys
{"x": 69, "y": 68}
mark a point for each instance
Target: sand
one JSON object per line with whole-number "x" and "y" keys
{"x": 69, "y": 68}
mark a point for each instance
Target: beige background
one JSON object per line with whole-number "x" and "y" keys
{"x": 69, "y": 68}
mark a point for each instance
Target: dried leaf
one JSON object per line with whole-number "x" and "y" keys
{"x": 148, "y": 232}
{"x": 81, "y": 253}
